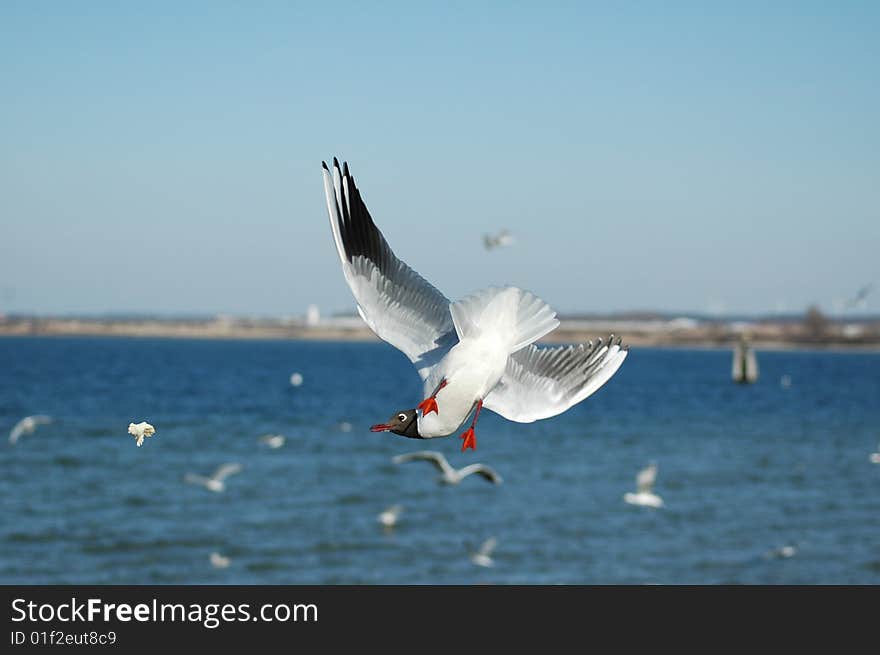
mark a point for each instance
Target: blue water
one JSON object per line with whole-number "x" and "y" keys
{"x": 744, "y": 471}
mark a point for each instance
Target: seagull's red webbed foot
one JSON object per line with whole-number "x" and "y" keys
{"x": 469, "y": 438}
{"x": 429, "y": 404}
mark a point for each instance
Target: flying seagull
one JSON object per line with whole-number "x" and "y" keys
{"x": 388, "y": 517}
{"x": 503, "y": 238}
{"x": 27, "y": 425}
{"x": 216, "y": 481}
{"x": 471, "y": 353}
{"x": 273, "y": 440}
{"x": 645, "y": 484}
{"x": 859, "y": 299}
{"x": 141, "y": 430}
{"x": 483, "y": 556}
{"x": 449, "y": 475}
{"x": 219, "y": 561}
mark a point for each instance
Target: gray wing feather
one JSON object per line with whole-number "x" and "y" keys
{"x": 542, "y": 381}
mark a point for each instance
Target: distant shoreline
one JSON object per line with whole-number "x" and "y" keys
{"x": 764, "y": 336}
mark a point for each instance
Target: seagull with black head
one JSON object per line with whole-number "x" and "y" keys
{"x": 472, "y": 353}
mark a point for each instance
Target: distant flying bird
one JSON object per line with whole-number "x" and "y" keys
{"x": 27, "y": 425}
{"x": 645, "y": 495}
{"x": 388, "y": 518}
{"x": 273, "y": 440}
{"x": 503, "y": 238}
{"x": 859, "y": 299}
{"x": 483, "y": 556}
{"x": 471, "y": 353}
{"x": 449, "y": 475}
{"x": 218, "y": 561}
{"x": 216, "y": 481}
{"x": 141, "y": 430}
{"x": 296, "y": 379}
{"x": 783, "y": 552}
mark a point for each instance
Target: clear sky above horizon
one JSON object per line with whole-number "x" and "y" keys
{"x": 166, "y": 157}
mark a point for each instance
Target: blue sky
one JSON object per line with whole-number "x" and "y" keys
{"x": 165, "y": 157}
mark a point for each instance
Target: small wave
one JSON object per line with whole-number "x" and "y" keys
{"x": 66, "y": 461}
{"x": 257, "y": 567}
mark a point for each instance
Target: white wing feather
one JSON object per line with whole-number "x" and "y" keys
{"x": 433, "y": 456}
{"x": 481, "y": 469}
{"x": 541, "y": 381}
{"x": 399, "y": 305}
{"x": 646, "y": 478}
{"x": 225, "y": 470}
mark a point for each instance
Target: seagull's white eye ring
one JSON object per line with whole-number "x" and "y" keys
{"x": 401, "y": 417}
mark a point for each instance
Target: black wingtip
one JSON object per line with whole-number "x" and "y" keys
{"x": 345, "y": 168}
{"x": 324, "y": 164}
{"x": 335, "y": 163}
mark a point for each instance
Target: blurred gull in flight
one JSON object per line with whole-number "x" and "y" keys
{"x": 141, "y": 430}
{"x": 449, "y": 475}
{"x": 27, "y": 425}
{"x": 216, "y": 480}
{"x": 783, "y": 552}
{"x": 273, "y": 440}
{"x": 389, "y": 517}
{"x": 218, "y": 561}
{"x": 645, "y": 484}
{"x": 483, "y": 556}
{"x": 469, "y": 353}
{"x": 503, "y": 238}
{"x": 296, "y": 379}
{"x": 860, "y": 298}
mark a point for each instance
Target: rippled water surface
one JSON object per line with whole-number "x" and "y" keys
{"x": 745, "y": 471}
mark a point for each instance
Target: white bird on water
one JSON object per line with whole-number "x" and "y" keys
{"x": 875, "y": 457}
{"x": 141, "y": 430}
{"x": 388, "y": 517}
{"x": 645, "y": 484}
{"x": 449, "y": 475}
{"x": 27, "y": 425}
{"x": 216, "y": 481}
{"x": 218, "y": 561}
{"x": 483, "y": 556}
{"x": 471, "y": 353}
{"x": 273, "y": 440}
{"x": 296, "y": 379}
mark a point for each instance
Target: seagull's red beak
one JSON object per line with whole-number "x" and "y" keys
{"x": 381, "y": 427}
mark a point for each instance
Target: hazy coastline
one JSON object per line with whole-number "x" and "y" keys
{"x": 863, "y": 334}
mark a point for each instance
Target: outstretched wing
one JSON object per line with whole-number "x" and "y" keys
{"x": 399, "y": 305}
{"x": 436, "y": 458}
{"x": 486, "y": 472}
{"x": 541, "y": 381}
{"x": 225, "y": 470}
{"x": 646, "y": 478}
{"x": 488, "y": 546}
